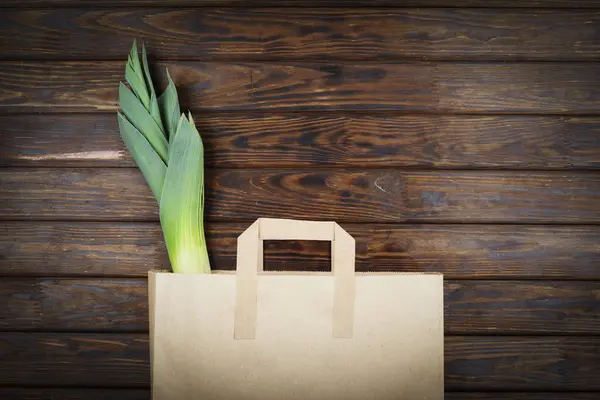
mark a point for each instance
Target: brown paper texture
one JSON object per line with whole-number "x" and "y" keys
{"x": 271, "y": 335}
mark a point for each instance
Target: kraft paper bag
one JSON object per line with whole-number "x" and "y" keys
{"x": 256, "y": 335}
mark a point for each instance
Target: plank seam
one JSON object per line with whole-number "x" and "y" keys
{"x": 318, "y": 60}
{"x": 147, "y": 387}
{"x": 346, "y": 168}
{"x": 440, "y": 222}
{"x": 48, "y": 5}
{"x": 532, "y": 335}
{"x": 416, "y": 60}
{"x": 226, "y": 223}
{"x": 315, "y": 112}
{"x": 453, "y": 279}
{"x": 8, "y": 111}
{"x": 332, "y": 167}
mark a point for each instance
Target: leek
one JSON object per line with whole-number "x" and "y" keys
{"x": 168, "y": 150}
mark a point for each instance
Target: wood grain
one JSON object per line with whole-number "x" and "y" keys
{"x": 335, "y": 113}
{"x": 303, "y": 34}
{"x": 516, "y": 88}
{"x": 498, "y": 363}
{"x": 518, "y": 396}
{"x": 472, "y": 363}
{"x": 91, "y": 394}
{"x": 90, "y": 140}
{"x": 346, "y": 196}
{"x": 330, "y": 140}
{"x": 498, "y": 307}
{"x": 144, "y": 394}
{"x": 109, "y": 360}
{"x": 522, "y": 88}
{"x": 97, "y": 249}
{"x": 80, "y": 193}
{"x": 522, "y": 307}
{"x": 87, "y": 305}
{"x": 309, "y": 3}
{"x": 458, "y": 251}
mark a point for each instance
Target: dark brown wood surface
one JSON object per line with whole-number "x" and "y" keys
{"x": 373, "y": 195}
{"x": 466, "y": 87}
{"x": 309, "y": 3}
{"x": 101, "y": 249}
{"x": 290, "y": 140}
{"x": 459, "y": 137}
{"x": 98, "y": 394}
{"x": 477, "y": 363}
{"x": 524, "y": 363}
{"x": 77, "y": 359}
{"x": 514, "y": 396}
{"x": 498, "y": 307}
{"x": 301, "y": 34}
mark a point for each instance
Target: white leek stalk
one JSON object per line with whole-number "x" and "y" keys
{"x": 169, "y": 152}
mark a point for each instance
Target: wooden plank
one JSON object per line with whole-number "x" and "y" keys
{"x": 144, "y": 394}
{"x": 80, "y": 193}
{"x": 519, "y": 396}
{"x": 522, "y": 307}
{"x": 308, "y": 3}
{"x": 88, "y": 86}
{"x": 458, "y": 251}
{"x": 472, "y": 363}
{"x": 522, "y": 363}
{"x": 87, "y": 140}
{"x": 302, "y": 33}
{"x": 126, "y": 249}
{"x": 89, "y": 394}
{"x": 499, "y": 307}
{"x": 107, "y": 360}
{"x": 516, "y": 88}
{"x": 88, "y": 305}
{"x": 346, "y": 196}
{"x": 559, "y": 88}
{"x": 331, "y": 140}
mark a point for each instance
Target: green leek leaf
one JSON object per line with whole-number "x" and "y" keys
{"x": 152, "y": 166}
{"x": 134, "y": 61}
{"x": 153, "y": 108}
{"x": 147, "y": 70}
{"x": 191, "y": 119}
{"x": 181, "y": 204}
{"x": 140, "y": 118}
{"x": 155, "y": 112}
{"x": 138, "y": 86}
{"x": 169, "y": 108}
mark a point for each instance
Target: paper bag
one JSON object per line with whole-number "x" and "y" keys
{"x": 300, "y": 335}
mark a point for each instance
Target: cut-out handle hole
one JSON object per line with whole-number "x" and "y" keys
{"x": 297, "y": 255}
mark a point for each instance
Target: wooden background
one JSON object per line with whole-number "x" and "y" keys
{"x": 460, "y": 136}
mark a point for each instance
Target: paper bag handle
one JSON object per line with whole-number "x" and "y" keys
{"x": 250, "y": 263}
